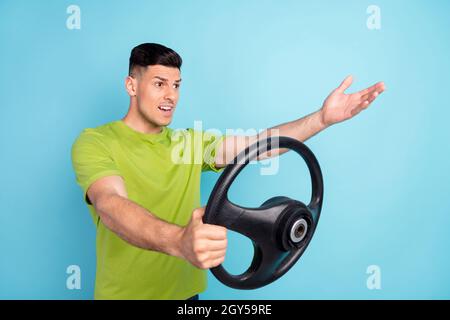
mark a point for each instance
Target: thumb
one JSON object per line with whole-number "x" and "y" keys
{"x": 197, "y": 215}
{"x": 345, "y": 84}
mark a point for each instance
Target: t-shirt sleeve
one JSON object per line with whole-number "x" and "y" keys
{"x": 211, "y": 143}
{"x": 91, "y": 160}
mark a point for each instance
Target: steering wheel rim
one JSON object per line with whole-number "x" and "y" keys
{"x": 269, "y": 262}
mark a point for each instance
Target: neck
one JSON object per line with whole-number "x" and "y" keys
{"x": 137, "y": 122}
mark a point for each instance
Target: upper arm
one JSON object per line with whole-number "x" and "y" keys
{"x": 230, "y": 148}
{"x": 223, "y": 151}
{"x": 211, "y": 144}
{"x": 92, "y": 161}
{"x": 110, "y": 185}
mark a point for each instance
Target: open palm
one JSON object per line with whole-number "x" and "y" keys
{"x": 339, "y": 106}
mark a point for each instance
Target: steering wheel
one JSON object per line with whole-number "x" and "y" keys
{"x": 280, "y": 229}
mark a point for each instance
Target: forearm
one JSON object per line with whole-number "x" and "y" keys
{"x": 138, "y": 226}
{"x": 300, "y": 129}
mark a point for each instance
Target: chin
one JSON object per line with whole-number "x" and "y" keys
{"x": 167, "y": 120}
{"x": 165, "y": 123}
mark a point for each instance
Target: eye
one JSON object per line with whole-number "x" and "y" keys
{"x": 176, "y": 86}
{"x": 158, "y": 84}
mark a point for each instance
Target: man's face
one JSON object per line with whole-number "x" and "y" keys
{"x": 157, "y": 93}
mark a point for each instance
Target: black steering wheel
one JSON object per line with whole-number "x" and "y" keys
{"x": 280, "y": 229}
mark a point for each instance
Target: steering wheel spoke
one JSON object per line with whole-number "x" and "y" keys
{"x": 268, "y": 264}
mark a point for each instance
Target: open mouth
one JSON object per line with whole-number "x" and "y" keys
{"x": 166, "y": 109}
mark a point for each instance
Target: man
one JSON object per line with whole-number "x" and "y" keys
{"x": 151, "y": 242}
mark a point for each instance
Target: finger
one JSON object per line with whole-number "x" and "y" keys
{"x": 206, "y": 248}
{"x": 379, "y": 87}
{"x": 345, "y": 84}
{"x": 214, "y": 255}
{"x": 373, "y": 97}
{"x": 217, "y": 262}
{"x": 363, "y": 105}
{"x": 215, "y": 245}
{"x": 368, "y": 90}
{"x": 213, "y": 232}
{"x": 370, "y": 96}
{"x": 355, "y": 111}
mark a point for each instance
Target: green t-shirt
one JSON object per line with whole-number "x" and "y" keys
{"x": 162, "y": 174}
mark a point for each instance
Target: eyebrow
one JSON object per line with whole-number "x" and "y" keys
{"x": 164, "y": 79}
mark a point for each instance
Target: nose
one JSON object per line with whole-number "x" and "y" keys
{"x": 171, "y": 94}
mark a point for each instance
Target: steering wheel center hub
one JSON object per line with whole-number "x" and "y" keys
{"x": 298, "y": 231}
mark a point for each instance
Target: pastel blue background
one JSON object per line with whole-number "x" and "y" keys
{"x": 247, "y": 64}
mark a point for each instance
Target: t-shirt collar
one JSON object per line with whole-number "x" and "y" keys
{"x": 151, "y": 137}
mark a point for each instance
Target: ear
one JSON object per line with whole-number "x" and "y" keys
{"x": 131, "y": 86}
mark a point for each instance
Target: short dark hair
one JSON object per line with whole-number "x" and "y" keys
{"x": 149, "y": 54}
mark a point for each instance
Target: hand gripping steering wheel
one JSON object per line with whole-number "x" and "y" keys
{"x": 280, "y": 229}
